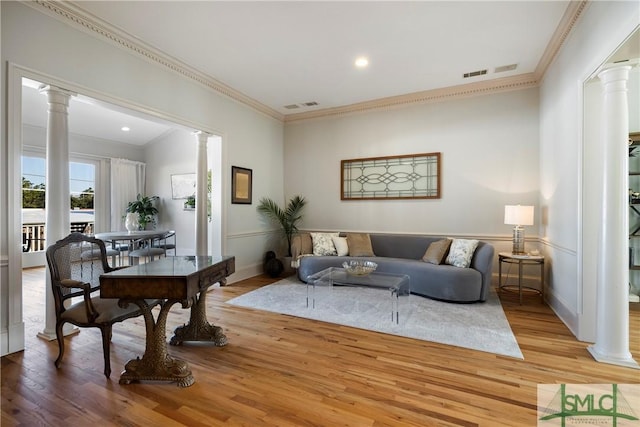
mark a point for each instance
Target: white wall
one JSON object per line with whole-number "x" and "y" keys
{"x": 174, "y": 153}
{"x": 601, "y": 29}
{"x": 92, "y": 65}
{"x": 489, "y": 147}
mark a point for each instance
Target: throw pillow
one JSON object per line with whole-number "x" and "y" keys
{"x": 322, "y": 243}
{"x": 301, "y": 244}
{"x": 342, "y": 247}
{"x": 437, "y": 251}
{"x": 359, "y": 244}
{"x": 461, "y": 252}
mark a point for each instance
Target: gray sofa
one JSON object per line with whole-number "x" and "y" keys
{"x": 395, "y": 253}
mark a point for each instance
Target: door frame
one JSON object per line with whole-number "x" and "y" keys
{"x": 13, "y": 339}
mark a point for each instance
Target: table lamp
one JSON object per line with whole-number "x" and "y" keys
{"x": 518, "y": 216}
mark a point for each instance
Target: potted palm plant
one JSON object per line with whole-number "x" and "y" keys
{"x": 144, "y": 207}
{"x": 287, "y": 218}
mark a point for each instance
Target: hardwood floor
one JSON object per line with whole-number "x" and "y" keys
{"x": 285, "y": 371}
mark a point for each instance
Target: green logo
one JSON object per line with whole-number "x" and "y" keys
{"x": 583, "y": 404}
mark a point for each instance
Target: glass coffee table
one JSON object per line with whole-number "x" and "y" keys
{"x": 397, "y": 284}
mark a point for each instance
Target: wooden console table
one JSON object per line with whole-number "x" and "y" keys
{"x": 182, "y": 280}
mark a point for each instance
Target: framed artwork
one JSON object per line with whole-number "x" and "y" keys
{"x": 241, "y": 182}
{"x": 183, "y": 185}
{"x": 412, "y": 176}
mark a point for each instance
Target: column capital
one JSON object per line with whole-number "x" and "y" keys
{"x": 57, "y": 98}
{"x": 201, "y": 135}
{"x": 613, "y": 72}
{"x": 51, "y": 90}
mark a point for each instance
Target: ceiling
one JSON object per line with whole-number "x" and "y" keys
{"x": 294, "y": 52}
{"x": 89, "y": 117}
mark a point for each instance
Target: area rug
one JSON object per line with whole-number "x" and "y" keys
{"x": 480, "y": 326}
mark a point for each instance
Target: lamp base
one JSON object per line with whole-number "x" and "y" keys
{"x": 518, "y": 241}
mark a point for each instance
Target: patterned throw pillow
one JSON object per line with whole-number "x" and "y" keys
{"x": 461, "y": 252}
{"x": 341, "y": 245}
{"x": 437, "y": 251}
{"x": 322, "y": 243}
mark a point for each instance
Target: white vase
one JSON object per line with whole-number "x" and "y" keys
{"x": 131, "y": 222}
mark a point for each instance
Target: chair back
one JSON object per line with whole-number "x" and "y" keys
{"x": 79, "y": 258}
{"x": 79, "y": 227}
{"x": 167, "y": 241}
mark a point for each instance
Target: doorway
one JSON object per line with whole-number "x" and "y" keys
{"x": 86, "y": 147}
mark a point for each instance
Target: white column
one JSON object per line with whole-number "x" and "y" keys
{"x": 201, "y": 194}
{"x": 57, "y": 199}
{"x": 612, "y": 313}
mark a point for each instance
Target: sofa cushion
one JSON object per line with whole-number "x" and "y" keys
{"x": 437, "y": 251}
{"x": 322, "y": 243}
{"x": 461, "y": 252}
{"x": 359, "y": 244}
{"x": 342, "y": 247}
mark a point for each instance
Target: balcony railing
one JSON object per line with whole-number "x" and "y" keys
{"x": 33, "y": 235}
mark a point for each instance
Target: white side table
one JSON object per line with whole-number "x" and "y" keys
{"x": 521, "y": 261}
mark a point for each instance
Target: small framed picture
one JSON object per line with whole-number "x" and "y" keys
{"x": 183, "y": 185}
{"x": 241, "y": 185}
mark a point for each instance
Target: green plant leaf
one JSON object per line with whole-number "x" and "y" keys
{"x": 287, "y": 218}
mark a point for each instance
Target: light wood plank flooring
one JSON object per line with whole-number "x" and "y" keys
{"x": 283, "y": 371}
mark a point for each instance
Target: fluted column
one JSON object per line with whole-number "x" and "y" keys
{"x": 612, "y": 312}
{"x": 201, "y": 194}
{"x": 57, "y": 197}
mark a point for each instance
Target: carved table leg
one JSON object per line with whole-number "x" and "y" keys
{"x": 156, "y": 364}
{"x": 199, "y": 328}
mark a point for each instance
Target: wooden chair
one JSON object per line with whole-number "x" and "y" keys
{"x": 75, "y": 281}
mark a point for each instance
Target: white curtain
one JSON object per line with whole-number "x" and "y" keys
{"x": 127, "y": 181}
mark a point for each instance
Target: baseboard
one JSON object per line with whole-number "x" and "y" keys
{"x": 12, "y": 339}
{"x": 245, "y": 273}
{"x": 4, "y": 343}
{"x": 565, "y": 314}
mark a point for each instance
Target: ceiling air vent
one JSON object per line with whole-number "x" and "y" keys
{"x": 291, "y": 106}
{"x": 310, "y": 104}
{"x": 475, "y": 73}
{"x": 504, "y": 68}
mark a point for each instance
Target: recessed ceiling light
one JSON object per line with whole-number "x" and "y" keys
{"x": 362, "y": 62}
{"x": 125, "y": 129}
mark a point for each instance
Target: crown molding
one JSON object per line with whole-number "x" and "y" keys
{"x": 69, "y": 12}
{"x": 518, "y": 82}
{"x": 522, "y": 81}
{"x": 567, "y": 22}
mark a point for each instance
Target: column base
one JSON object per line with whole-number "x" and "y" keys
{"x": 51, "y": 335}
{"x": 604, "y": 358}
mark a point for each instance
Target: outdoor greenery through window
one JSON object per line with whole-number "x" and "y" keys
{"x": 81, "y": 183}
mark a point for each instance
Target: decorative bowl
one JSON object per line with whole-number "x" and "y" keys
{"x": 359, "y": 268}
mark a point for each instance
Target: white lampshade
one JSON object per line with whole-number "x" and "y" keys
{"x": 518, "y": 215}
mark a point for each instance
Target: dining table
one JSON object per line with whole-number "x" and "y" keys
{"x": 172, "y": 279}
{"x": 131, "y": 239}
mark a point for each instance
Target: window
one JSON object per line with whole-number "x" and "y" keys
{"x": 33, "y": 178}
{"x": 82, "y": 180}
{"x": 82, "y": 183}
